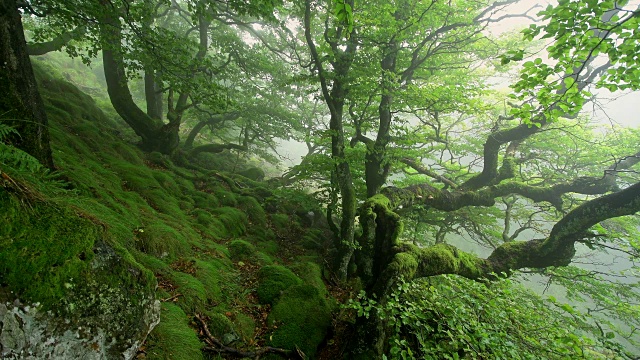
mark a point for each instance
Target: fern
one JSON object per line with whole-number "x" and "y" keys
{"x": 5, "y": 131}
{"x": 11, "y": 156}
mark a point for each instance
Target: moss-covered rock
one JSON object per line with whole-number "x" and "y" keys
{"x": 70, "y": 279}
{"x": 303, "y": 317}
{"x": 272, "y": 281}
{"x": 233, "y": 220}
{"x": 311, "y": 274}
{"x": 241, "y": 250}
{"x": 280, "y": 222}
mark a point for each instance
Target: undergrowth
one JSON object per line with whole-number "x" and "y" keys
{"x": 202, "y": 237}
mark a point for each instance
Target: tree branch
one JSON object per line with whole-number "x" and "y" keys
{"x": 57, "y": 43}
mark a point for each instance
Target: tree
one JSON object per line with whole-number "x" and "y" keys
{"x": 21, "y": 106}
{"x": 172, "y": 43}
{"x": 506, "y": 170}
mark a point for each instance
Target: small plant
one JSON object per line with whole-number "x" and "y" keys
{"x": 449, "y": 317}
{"x": 11, "y": 156}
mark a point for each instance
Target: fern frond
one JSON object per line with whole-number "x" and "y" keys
{"x": 17, "y": 159}
{"x": 5, "y": 130}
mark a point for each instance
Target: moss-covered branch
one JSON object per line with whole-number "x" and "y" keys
{"x": 392, "y": 260}
{"x": 216, "y": 148}
{"x": 56, "y": 43}
{"x": 446, "y": 200}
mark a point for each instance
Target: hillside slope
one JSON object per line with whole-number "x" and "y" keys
{"x": 127, "y": 228}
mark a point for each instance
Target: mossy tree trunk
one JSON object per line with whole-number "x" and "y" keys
{"x": 335, "y": 96}
{"x": 20, "y": 103}
{"x": 384, "y": 260}
{"x": 155, "y": 133}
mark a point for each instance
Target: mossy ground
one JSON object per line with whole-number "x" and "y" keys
{"x": 202, "y": 242}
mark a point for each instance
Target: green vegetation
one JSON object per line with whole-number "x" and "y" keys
{"x": 303, "y": 317}
{"x": 174, "y": 338}
{"x": 272, "y": 281}
{"x": 157, "y": 176}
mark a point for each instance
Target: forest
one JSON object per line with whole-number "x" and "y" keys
{"x": 319, "y": 179}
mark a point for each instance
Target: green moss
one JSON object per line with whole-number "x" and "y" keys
{"x": 303, "y": 317}
{"x": 280, "y": 222}
{"x": 220, "y": 325}
{"x": 404, "y": 264}
{"x": 159, "y": 239}
{"x": 272, "y": 280}
{"x": 311, "y": 274}
{"x": 245, "y": 326}
{"x": 204, "y": 200}
{"x": 202, "y": 217}
{"x": 194, "y": 293}
{"x": 241, "y": 250}
{"x": 167, "y": 182}
{"x": 128, "y": 153}
{"x": 444, "y": 258}
{"x": 234, "y": 220}
{"x": 173, "y": 338}
{"x": 225, "y": 197}
{"x": 209, "y": 274}
{"x": 313, "y": 240}
{"x": 43, "y": 249}
{"x": 268, "y": 247}
{"x": 263, "y": 259}
{"x": 255, "y": 212}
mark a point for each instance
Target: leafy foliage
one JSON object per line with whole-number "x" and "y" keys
{"x": 449, "y": 317}
{"x": 581, "y": 31}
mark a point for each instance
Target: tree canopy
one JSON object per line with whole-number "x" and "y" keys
{"x": 412, "y": 140}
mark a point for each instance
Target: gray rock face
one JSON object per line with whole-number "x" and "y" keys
{"x": 105, "y": 316}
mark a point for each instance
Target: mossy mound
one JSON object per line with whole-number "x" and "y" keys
{"x": 245, "y": 326}
{"x": 303, "y": 318}
{"x": 222, "y": 328}
{"x": 311, "y": 274}
{"x": 241, "y": 250}
{"x": 255, "y": 212}
{"x": 280, "y": 222}
{"x": 272, "y": 281}
{"x": 160, "y": 240}
{"x": 173, "y": 338}
{"x": 233, "y": 220}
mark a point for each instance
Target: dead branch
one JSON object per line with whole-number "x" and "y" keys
{"x": 216, "y": 345}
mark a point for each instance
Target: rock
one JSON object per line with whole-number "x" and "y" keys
{"x": 105, "y": 316}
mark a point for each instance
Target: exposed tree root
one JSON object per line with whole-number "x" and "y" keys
{"x": 217, "y": 346}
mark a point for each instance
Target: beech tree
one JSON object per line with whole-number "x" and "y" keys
{"x": 21, "y": 105}
{"x": 506, "y": 168}
{"x": 181, "y": 48}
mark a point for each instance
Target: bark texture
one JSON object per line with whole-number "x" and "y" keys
{"x": 20, "y": 103}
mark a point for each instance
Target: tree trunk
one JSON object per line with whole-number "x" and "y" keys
{"x": 153, "y": 95}
{"x": 155, "y": 135}
{"x": 335, "y": 99}
{"x": 20, "y": 103}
